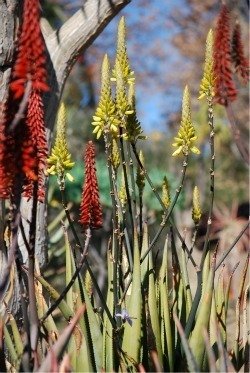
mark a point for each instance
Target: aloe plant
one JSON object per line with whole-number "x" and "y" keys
{"x": 146, "y": 317}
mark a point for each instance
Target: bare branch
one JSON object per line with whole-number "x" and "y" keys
{"x": 78, "y": 32}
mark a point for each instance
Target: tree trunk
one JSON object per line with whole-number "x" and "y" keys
{"x": 63, "y": 47}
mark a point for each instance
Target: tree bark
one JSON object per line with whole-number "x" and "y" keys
{"x": 63, "y": 47}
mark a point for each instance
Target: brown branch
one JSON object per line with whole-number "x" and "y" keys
{"x": 77, "y": 33}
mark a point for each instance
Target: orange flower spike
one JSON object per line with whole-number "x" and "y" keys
{"x": 90, "y": 208}
{"x": 30, "y": 61}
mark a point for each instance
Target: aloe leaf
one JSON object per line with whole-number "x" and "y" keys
{"x": 213, "y": 328}
{"x": 245, "y": 317}
{"x": 152, "y": 304}
{"x": 42, "y": 308}
{"x": 220, "y": 306}
{"x": 197, "y": 343}
{"x": 192, "y": 365}
{"x": 227, "y": 291}
{"x": 68, "y": 272}
{"x": 210, "y": 357}
{"x": 132, "y": 333}
{"x": 186, "y": 284}
{"x": 10, "y": 346}
{"x": 95, "y": 332}
{"x": 83, "y": 362}
{"x": 238, "y": 306}
{"x": 64, "y": 308}
{"x": 92, "y": 329}
{"x": 166, "y": 327}
{"x": 225, "y": 363}
{"x": 16, "y": 336}
{"x": 59, "y": 347}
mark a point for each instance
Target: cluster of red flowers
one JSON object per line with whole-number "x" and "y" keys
{"x": 23, "y": 148}
{"x": 227, "y": 51}
{"x": 90, "y": 208}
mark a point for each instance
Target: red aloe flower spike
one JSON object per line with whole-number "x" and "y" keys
{"x": 224, "y": 85}
{"x": 7, "y": 160}
{"x": 37, "y": 135}
{"x": 240, "y": 62}
{"x": 90, "y": 208}
{"x": 30, "y": 61}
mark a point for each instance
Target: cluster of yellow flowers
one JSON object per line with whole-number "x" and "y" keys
{"x": 60, "y": 158}
{"x": 184, "y": 141}
{"x": 117, "y": 116}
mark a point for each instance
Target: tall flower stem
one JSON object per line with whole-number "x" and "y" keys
{"x": 113, "y": 194}
{"x": 197, "y": 296}
{"x": 34, "y": 323}
{"x": 124, "y": 168}
{"x": 132, "y": 178}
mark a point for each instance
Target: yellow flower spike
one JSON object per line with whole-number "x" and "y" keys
{"x": 121, "y": 54}
{"x": 165, "y": 193}
{"x": 115, "y": 156}
{"x": 105, "y": 115}
{"x": 140, "y": 177}
{"x": 122, "y": 105}
{"x": 196, "y": 211}
{"x": 133, "y": 126}
{"x": 208, "y": 80}
{"x": 186, "y": 135}
{"x": 60, "y": 159}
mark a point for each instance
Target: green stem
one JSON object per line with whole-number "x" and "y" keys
{"x": 132, "y": 178}
{"x": 114, "y": 199}
{"x": 198, "y": 293}
{"x": 124, "y": 169}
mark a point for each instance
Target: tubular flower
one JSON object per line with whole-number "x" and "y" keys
{"x": 133, "y": 126}
{"x": 196, "y": 211}
{"x": 121, "y": 101}
{"x": 225, "y": 90}
{"x": 60, "y": 158}
{"x": 208, "y": 80}
{"x": 122, "y": 56}
{"x": 186, "y": 135}
{"x": 140, "y": 176}
{"x": 26, "y": 143}
{"x": 30, "y": 61}
{"x": 7, "y": 161}
{"x": 165, "y": 193}
{"x": 240, "y": 62}
{"x": 37, "y": 136}
{"x": 105, "y": 115}
{"x": 90, "y": 208}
